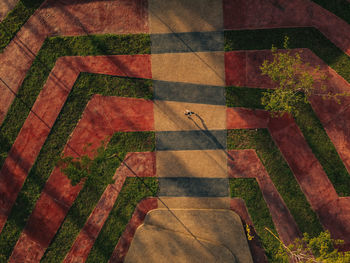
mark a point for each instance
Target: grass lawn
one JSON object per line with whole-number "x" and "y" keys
{"x": 52, "y": 49}
{"x": 121, "y": 143}
{"x": 248, "y": 189}
{"x": 132, "y": 192}
{"x": 340, "y": 8}
{"x": 307, "y": 120}
{"x": 86, "y": 85}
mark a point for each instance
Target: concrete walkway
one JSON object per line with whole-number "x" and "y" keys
{"x": 191, "y": 156}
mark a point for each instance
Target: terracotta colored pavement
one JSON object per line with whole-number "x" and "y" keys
{"x": 49, "y": 103}
{"x": 254, "y": 14}
{"x": 65, "y": 17}
{"x": 238, "y": 205}
{"x": 5, "y": 7}
{"x": 141, "y": 164}
{"x": 246, "y": 164}
{"x": 332, "y": 210}
{"x": 242, "y": 69}
{"x": 136, "y": 220}
{"x": 102, "y": 117}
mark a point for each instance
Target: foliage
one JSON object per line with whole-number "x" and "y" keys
{"x": 312, "y": 130}
{"x": 319, "y": 249}
{"x": 99, "y": 174}
{"x": 248, "y": 189}
{"x": 86, "y": 85}
{"x": 250, "y": 236}
{"x": 294, "y": 82}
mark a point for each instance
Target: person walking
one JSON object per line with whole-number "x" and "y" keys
{"x": 189, "y": 113}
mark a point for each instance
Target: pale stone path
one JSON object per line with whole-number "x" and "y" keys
{"x": 191, "y": 156}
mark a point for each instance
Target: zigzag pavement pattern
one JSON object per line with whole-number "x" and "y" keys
{"x": 182, "y": 142}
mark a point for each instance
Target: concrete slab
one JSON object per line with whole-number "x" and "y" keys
{"x": 169, "y": 16}
{"x": 191, "y": 140}
{"x": 198, "y": 68}
{"x": 194, "y": 187}
{"x": 205, "y": 163}
{"x": 187, "y": 42}
{"x": 173, "y": 230}
{"x": 169, "y": 116}
{"x": 153, "y": 244}
{"x": 186, "y": 92}
{"x": 194, "y": 202}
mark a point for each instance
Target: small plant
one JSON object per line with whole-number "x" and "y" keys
{"x": 319, "y": 249}
{"x": 249, "y": 234}
{"x": 296, "y": 82}
{"x": 84, "y": 167}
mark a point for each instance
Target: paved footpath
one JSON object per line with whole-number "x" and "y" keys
{"x": 48, "y": 105}
{"x": 188, "y": 71}
{"x": 5, "y": 7}
{"x": 65, "y": 18}
{"x": 102, "y": 117}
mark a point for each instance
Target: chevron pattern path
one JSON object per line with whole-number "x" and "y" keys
{"x": 193, "y": 219}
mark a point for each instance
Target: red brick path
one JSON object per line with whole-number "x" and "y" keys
{"x": 334, "y": 117}
{"x": 332, "y": 210}
{"x": 143, "y": 165}
{"x": 65, "y": 17}
{"x": 256, "y": 14}
{"x": 246, "y": 164}
{"x": 102, "y": 117}
{"x": 237, "y": 205}
{"x": 137, "y": 219}
{"x": 49, "y": 103}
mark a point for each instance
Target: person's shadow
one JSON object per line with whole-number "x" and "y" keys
{"x": 206, "y": 131}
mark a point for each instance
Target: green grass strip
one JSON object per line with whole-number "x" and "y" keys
{"x": 121, "y": 143}
{"x": 312, "y": 130}
{"x": 15, "y": 19}
{"x": 52, "y": 49}
{"x": 306, "y": 37}
{"x": 340, "y": 8}
{"x": 248, "y": 189}
{"x": 307, "y": 120}
{"x": 86, "y": 85}
{"x": 279, "y": 173}
{"x": 132, "y": 192}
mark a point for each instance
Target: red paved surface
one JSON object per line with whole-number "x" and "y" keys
{"x": 137, "y": 219}
{"x": 243, "y": 118}
{"x": 246, "y": 164}
{"x": 143, "y": 165}
{"x": 258, "y": 254}
{"x": 332, "y": 210}
{"x": 102, "y": 117}
{"x": 49, "y": 103}
{"x": 65, "y": 17}
{"x": 334, "y": 117}
{"x": 255, "y": 14}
